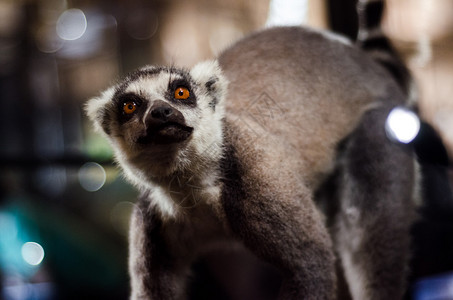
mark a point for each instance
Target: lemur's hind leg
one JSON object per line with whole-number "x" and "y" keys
{"x": 375, "y": 211}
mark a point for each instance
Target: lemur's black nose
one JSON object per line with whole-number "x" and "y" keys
{"x": 164, "y": 124}
{"x": 162, "y": 112}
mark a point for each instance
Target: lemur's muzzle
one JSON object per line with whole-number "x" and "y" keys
{"x": 164, "y": 125}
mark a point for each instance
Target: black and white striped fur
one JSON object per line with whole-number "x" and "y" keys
{"x": 373, "y": 40}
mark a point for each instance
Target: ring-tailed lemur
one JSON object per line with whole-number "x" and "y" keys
{"x": 232, "y": 152}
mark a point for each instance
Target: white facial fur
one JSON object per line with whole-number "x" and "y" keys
{"x": 144, "y": 164}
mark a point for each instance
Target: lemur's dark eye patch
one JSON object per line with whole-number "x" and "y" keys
{"x": 180, "y": 90}
{"x": 128, "y": 105}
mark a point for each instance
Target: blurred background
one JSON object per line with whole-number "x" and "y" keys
{"x": 64, "y": 206}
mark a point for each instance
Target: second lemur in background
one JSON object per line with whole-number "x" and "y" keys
{"x": 231, "y": 153}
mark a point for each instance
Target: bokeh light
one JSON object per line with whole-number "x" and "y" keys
{"x": 287, "y": 12}
{"x": 32, "y": 253}
{"x": 71, "y": 24}
{"x": 92, "y": 176}
{"x": 402, "y": 125}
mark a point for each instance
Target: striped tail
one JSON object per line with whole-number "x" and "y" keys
{"x": 372, "y": 39}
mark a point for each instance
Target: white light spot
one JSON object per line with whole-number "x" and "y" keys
{"x": 32, "y": 253}
{"x": 92, "y": 176}
{"x": 71, "y": 24}
{"x": 402, "y": 125}
{"x": 287, "y": 12}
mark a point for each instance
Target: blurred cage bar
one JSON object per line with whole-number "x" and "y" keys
{"x": 64, "y": 206}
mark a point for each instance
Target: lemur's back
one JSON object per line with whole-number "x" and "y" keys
{"x": 247, "y": 177}
{"x": 300, "y": 92}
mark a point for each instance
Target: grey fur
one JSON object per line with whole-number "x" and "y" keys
{"x": 304, "y": 115}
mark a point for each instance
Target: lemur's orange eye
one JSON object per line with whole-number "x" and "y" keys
{"x": 129, "y": 107}
{"x": 182, "y": 93}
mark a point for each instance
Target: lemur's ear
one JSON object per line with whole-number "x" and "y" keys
{"x": 209, "y": 76}
{"x": 95, "y": 109}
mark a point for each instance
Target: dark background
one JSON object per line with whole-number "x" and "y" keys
{"x": 58, "y": 185}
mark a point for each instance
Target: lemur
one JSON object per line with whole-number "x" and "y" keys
{"x": 233, "y": 152}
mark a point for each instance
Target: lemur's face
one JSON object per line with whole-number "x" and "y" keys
{"x": 159, "y": 119}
